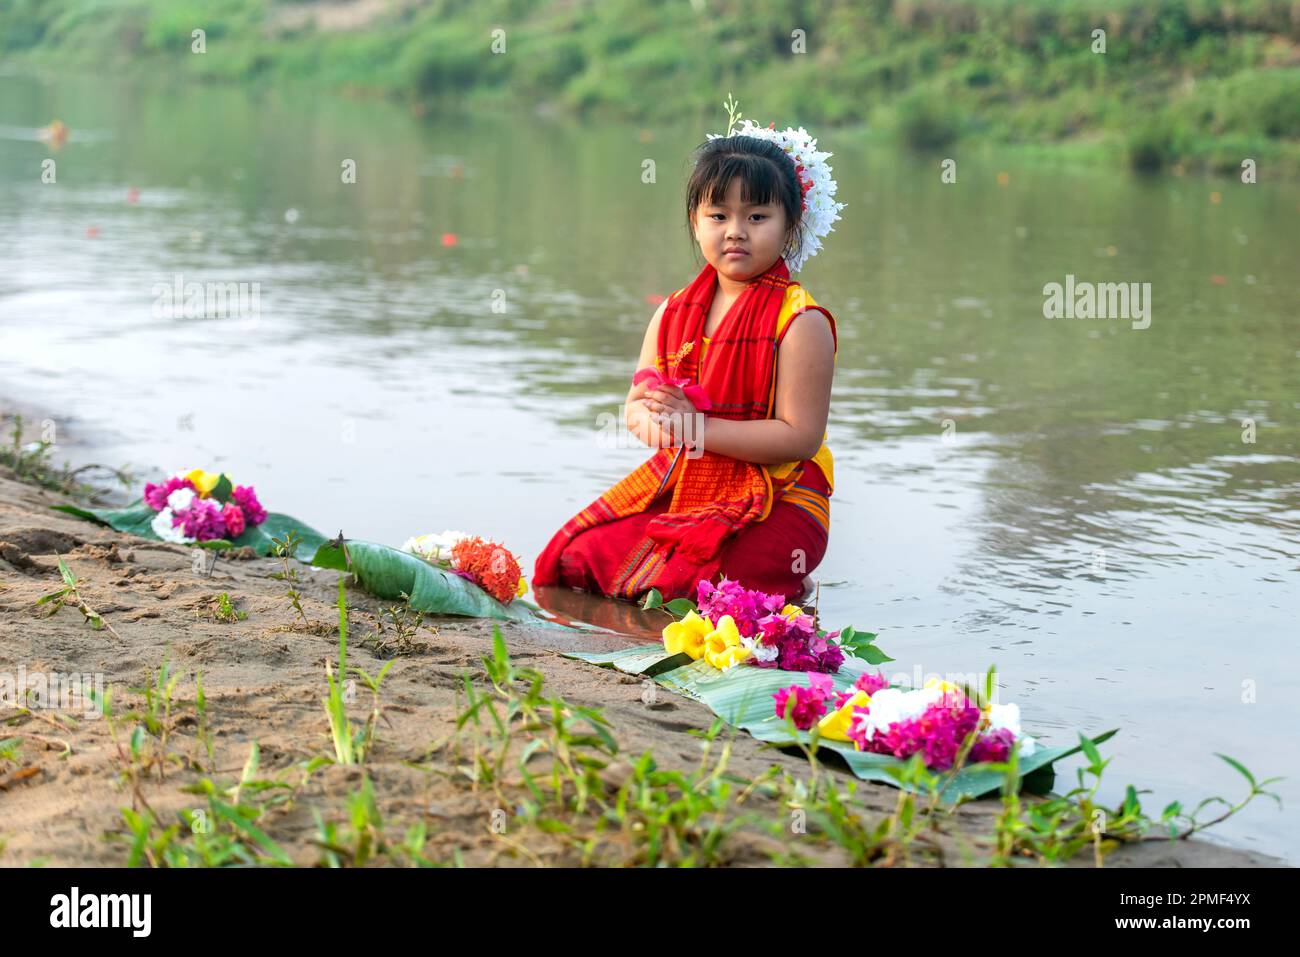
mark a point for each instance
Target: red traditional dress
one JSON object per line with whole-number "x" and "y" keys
{"x": 677, "y": 519}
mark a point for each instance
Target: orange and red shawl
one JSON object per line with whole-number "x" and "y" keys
{"x": 714, "y": 496}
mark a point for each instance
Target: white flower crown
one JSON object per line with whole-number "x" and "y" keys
{"x": 820, "y": 209}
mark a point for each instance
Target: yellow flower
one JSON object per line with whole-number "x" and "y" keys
{"x": 205, "y": 482}
{"x": 729, "y": 657}
{"x": 952, "y": 693}
{"x": 836, "y": 724}
{"x": 791, "y": 611}
{"x": 687, "y": 635}
{"x": 722, "y": 647}
{"x": 942, "y": 685}
{"x": 522, "y": 590}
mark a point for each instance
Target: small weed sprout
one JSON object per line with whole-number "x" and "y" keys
{"x": 222, "y": 608}
{"x": 285, "y": 549}
{"x": 351, "y": 744}
{"x": 68, "y": 595}
{"x": 396, "y": 632}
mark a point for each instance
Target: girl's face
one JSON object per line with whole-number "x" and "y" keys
{"x": 726, "y": 224}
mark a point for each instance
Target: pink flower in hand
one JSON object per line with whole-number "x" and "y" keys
{"x": 693, "y": 391}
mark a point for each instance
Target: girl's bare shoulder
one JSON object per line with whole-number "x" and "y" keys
{"x": 800, "y": 302}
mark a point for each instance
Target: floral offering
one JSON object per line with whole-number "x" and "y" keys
{"x": 733, "y": 624}
{"x": 487, "y": 564}
{"x": 199, "y": 506}
{"x": 933, "y": 720}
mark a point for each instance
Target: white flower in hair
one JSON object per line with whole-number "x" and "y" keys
{"x": 820, "y": 210}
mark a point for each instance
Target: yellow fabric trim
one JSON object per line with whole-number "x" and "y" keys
{"x": 797, "y": 297}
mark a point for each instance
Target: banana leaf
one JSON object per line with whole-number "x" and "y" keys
{"x": 742, "y": 697}
{"x": 135, "y": 519}
{"x": 391, "y": 573}
{"x": 649, "y": 661}
{"x": 644, "y": 660}
{"x": 383, "y": 571}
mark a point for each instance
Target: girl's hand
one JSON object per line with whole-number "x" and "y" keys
{"x": 668, "y": 399}
{"x": 678, "y": 420}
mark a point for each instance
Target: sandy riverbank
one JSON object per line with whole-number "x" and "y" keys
{"x": 264, "y": 680}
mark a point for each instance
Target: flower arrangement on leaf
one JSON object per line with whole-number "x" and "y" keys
{"x": 934, "y": 720}
{"x": 732, "y": 625}
{"x": 487, "y": 564}
{"x": 199, "y": 506}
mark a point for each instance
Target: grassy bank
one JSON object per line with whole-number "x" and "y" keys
{"x": 1202, "y": 83}
{"x": 276, "y": 716}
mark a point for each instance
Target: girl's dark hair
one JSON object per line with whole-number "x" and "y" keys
{"x": 766, "y": 172}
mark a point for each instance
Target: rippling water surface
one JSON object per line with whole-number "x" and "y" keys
{"x": 438, "y": 343}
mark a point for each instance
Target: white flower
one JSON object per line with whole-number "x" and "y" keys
{"x": 892, "y": 705}
{"x": 760, "y": 651}
{"x": 163, "y": 528}
{"x": 180, "y": 499}
{"x": 1008, "y": 716}
{"x": 435, "y": 548}
{"x": 886, "y": 708}
{"x": 822, "y": 209}
{"x": 1005, "y": 716}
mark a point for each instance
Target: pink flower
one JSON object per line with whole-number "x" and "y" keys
{"x": 938, "y": 734}
{"x": 993, "y": 745}
{"x": 746, "y": 608}
{"x": 155, "y": 496}
{"x": 809, "y": 701}
{"x": 233, "y": 516}
{"x": 797, "y": 658}
{"x": 202, "y": 520}
{"x": 871, "y": 683}
{"x": 758, "y": 616}
{"x": 246, "y": 499}
{"x": 772, "y": 629}
{"x": 693, "y": 391}
{"x": 830, "y": 660}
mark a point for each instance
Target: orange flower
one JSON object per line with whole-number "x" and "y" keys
{"x": 491, "y": 566}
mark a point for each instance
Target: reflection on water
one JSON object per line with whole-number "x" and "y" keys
{"x": 567, "y": 606}
{"x": 438, "y": 342}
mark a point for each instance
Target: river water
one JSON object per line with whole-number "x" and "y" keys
{"x": 1110, "y": 514}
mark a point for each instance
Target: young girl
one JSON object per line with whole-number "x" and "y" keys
{"x": 733, "y": 390}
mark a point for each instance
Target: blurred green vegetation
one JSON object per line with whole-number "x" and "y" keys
{"x": 1201, "y": 83}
